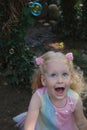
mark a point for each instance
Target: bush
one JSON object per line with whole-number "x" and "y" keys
{"x": 81, "y": 61}
{"x": 15, "y": 56}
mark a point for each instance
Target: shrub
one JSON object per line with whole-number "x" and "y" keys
{"x": 16, "y": 58}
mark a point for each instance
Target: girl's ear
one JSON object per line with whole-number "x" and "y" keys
{"x": 71, "y": 79}
{"x": 71, "y": 82}
{"x": 43, "y": 80}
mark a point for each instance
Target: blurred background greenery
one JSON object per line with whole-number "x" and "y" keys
{"x": 16, "y": 57}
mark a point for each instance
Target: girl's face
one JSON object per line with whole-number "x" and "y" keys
{"x": 57, "y": 79}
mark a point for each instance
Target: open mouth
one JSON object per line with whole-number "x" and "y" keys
{"x": 60, "y": 90}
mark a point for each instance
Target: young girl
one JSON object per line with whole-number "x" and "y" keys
{"x": 56, "y": 102}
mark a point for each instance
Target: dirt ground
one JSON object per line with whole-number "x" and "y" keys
{"x": 12, "y": 100}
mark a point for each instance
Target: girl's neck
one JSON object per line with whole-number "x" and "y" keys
{"x": 59, "y": 103}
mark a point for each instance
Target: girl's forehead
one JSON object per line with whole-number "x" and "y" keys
{"x": 57, "y": 64}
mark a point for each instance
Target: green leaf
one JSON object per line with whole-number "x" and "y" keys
{"x": 31, "y": 21}
{"x": 26, "y": 11}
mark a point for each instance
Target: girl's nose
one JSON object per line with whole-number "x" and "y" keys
{"x": 60, "y": 79}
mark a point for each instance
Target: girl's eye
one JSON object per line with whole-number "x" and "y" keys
{"x": 53, "y": 75}
{"x": 65, "y": 75}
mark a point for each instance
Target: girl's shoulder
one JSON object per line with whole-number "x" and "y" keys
{"x": 41, "y": 91}
{"x": 73, "y": 95}
{"x": 72, "y": 99}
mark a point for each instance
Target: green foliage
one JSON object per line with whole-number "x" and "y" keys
{"x": 16, "y": 58}
{"x": 73, "y": 19}
{"x": 81, "y": 61}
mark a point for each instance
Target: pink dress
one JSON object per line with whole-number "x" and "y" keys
{"x": 52, "y": 118}
{"x": 57, "y": 118}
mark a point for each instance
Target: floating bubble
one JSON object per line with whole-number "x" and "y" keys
{"x": 35, "y": 8}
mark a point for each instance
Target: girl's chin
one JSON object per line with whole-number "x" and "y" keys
{"x": 61, "y": 97}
